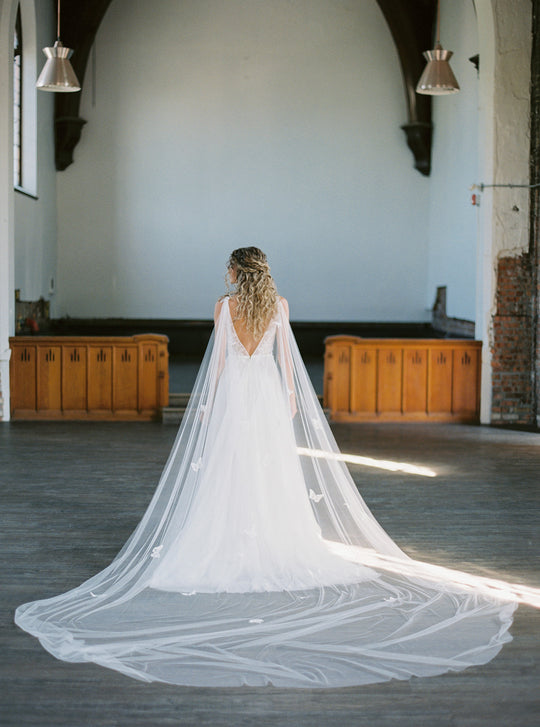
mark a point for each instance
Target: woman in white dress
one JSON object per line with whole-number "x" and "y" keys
{"x": 257, "y": 560}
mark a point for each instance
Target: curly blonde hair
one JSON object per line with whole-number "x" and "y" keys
{"x": 255, "y": 290}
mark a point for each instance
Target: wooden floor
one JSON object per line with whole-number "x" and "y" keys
{"x": 72, "y": 493}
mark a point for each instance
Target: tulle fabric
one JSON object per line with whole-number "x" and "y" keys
{"x": 258, "y": 562}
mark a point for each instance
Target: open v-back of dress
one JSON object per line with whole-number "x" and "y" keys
{"x": 257, "y": 560}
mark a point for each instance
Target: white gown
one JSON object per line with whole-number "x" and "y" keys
{"x": 258, "y": 562}
{"x": 251, "y": 525}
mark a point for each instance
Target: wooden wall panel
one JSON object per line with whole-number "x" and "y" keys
{"x": 337, "y": 383}
{"x": 409, "y": 379}
{"x": 49, "y": 380}
{"x": 80, "y": 377}
{"x": 390, "y": 389}
{"x": 364, "y": 394}
{"x": 440, "y": 381}
{"x": 23, "y": 377}
{"x": 74, "y": 379}
{"x": 149, "y": 376}
{"x": 100, "y": 377}
{"x": 342, "y": 380}
{"x": 125, "y": 384}
{"x": 465, "y": 381}
{"x": 415, "y": 381}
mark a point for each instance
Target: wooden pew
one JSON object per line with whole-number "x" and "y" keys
{"x": 371, "y": 379}
{"x": 81, "y": 377}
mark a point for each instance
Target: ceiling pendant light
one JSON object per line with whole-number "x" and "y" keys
{"x": 58, "y": 74}
{"x": 437, "y": 78}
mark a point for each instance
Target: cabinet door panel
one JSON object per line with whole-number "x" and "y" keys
{"x": 364, "y": 380}
{"x": 74, "y": 380}
{"x": 100, "y": 378}
{"x": 23, "y": 377}
{"x": 440, "y": 381}
{"x": 415, "y": 381}
{"x": 149, "y": 376}
{"x": 465, "y": 381}
{"x": 125, "y": 378}
{"x": 390, "y": 380}
{"x": 49, "y": 385}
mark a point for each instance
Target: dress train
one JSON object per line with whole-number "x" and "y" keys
{"x": 258, "y": 562}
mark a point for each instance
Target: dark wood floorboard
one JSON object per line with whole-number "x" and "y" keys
{"x": 72, "y": 493}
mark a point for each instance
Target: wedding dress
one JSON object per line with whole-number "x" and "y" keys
{"x": 258, "y": 562}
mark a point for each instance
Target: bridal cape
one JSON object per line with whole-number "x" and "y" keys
{"x": 258, "y": 562}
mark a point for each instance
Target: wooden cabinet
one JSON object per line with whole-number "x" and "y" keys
{"x": 402, "y": 379}
{"x": 89, "y": 378}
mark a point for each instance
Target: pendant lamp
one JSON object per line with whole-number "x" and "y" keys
{"x": 58, "y": 74}
{"x": 437, "y": 78}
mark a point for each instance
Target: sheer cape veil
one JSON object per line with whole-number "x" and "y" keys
{"x": 206, "y": 590}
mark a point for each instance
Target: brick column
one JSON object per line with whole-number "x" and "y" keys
{"x": 512, "y": 355}
{"x": 534, "y": 247}
{"x": 515, "y": 351}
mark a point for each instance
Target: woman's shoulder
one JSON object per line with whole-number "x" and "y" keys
{"x": 219, "y": 305}
{"x": 284, "y": 302}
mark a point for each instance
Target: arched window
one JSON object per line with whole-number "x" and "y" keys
{"x": 24, "y": 99}
{"x": 17, "y": 101}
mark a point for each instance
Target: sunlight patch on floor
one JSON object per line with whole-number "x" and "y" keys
{"x": 383, "y": 464}
{"x": 513, "y": 592}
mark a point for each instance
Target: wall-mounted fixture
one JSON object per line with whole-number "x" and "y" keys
{"x": 58, "y": 74}
{"x": 437, "y": 78}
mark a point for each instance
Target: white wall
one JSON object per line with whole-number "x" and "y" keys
{"x": 7, "y": 23}
{"x": 35, "y": 219}
{"x": 452, "y": 218}
{"x": 13, "y": 220}
{"x": 221, "y": 124}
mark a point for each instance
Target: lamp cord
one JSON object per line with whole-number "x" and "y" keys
{"x": 58, "y": 22}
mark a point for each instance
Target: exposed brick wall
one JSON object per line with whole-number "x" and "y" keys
{"x": 534, "y": 246}
{"x": 512, "y": 362}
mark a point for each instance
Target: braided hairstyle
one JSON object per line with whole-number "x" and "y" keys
{"x": 255, "y": 292}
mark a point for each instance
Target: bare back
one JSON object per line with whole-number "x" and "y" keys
{"x": 245, "y": 336}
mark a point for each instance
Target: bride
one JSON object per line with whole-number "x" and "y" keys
{"x": 257, "y": 561}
